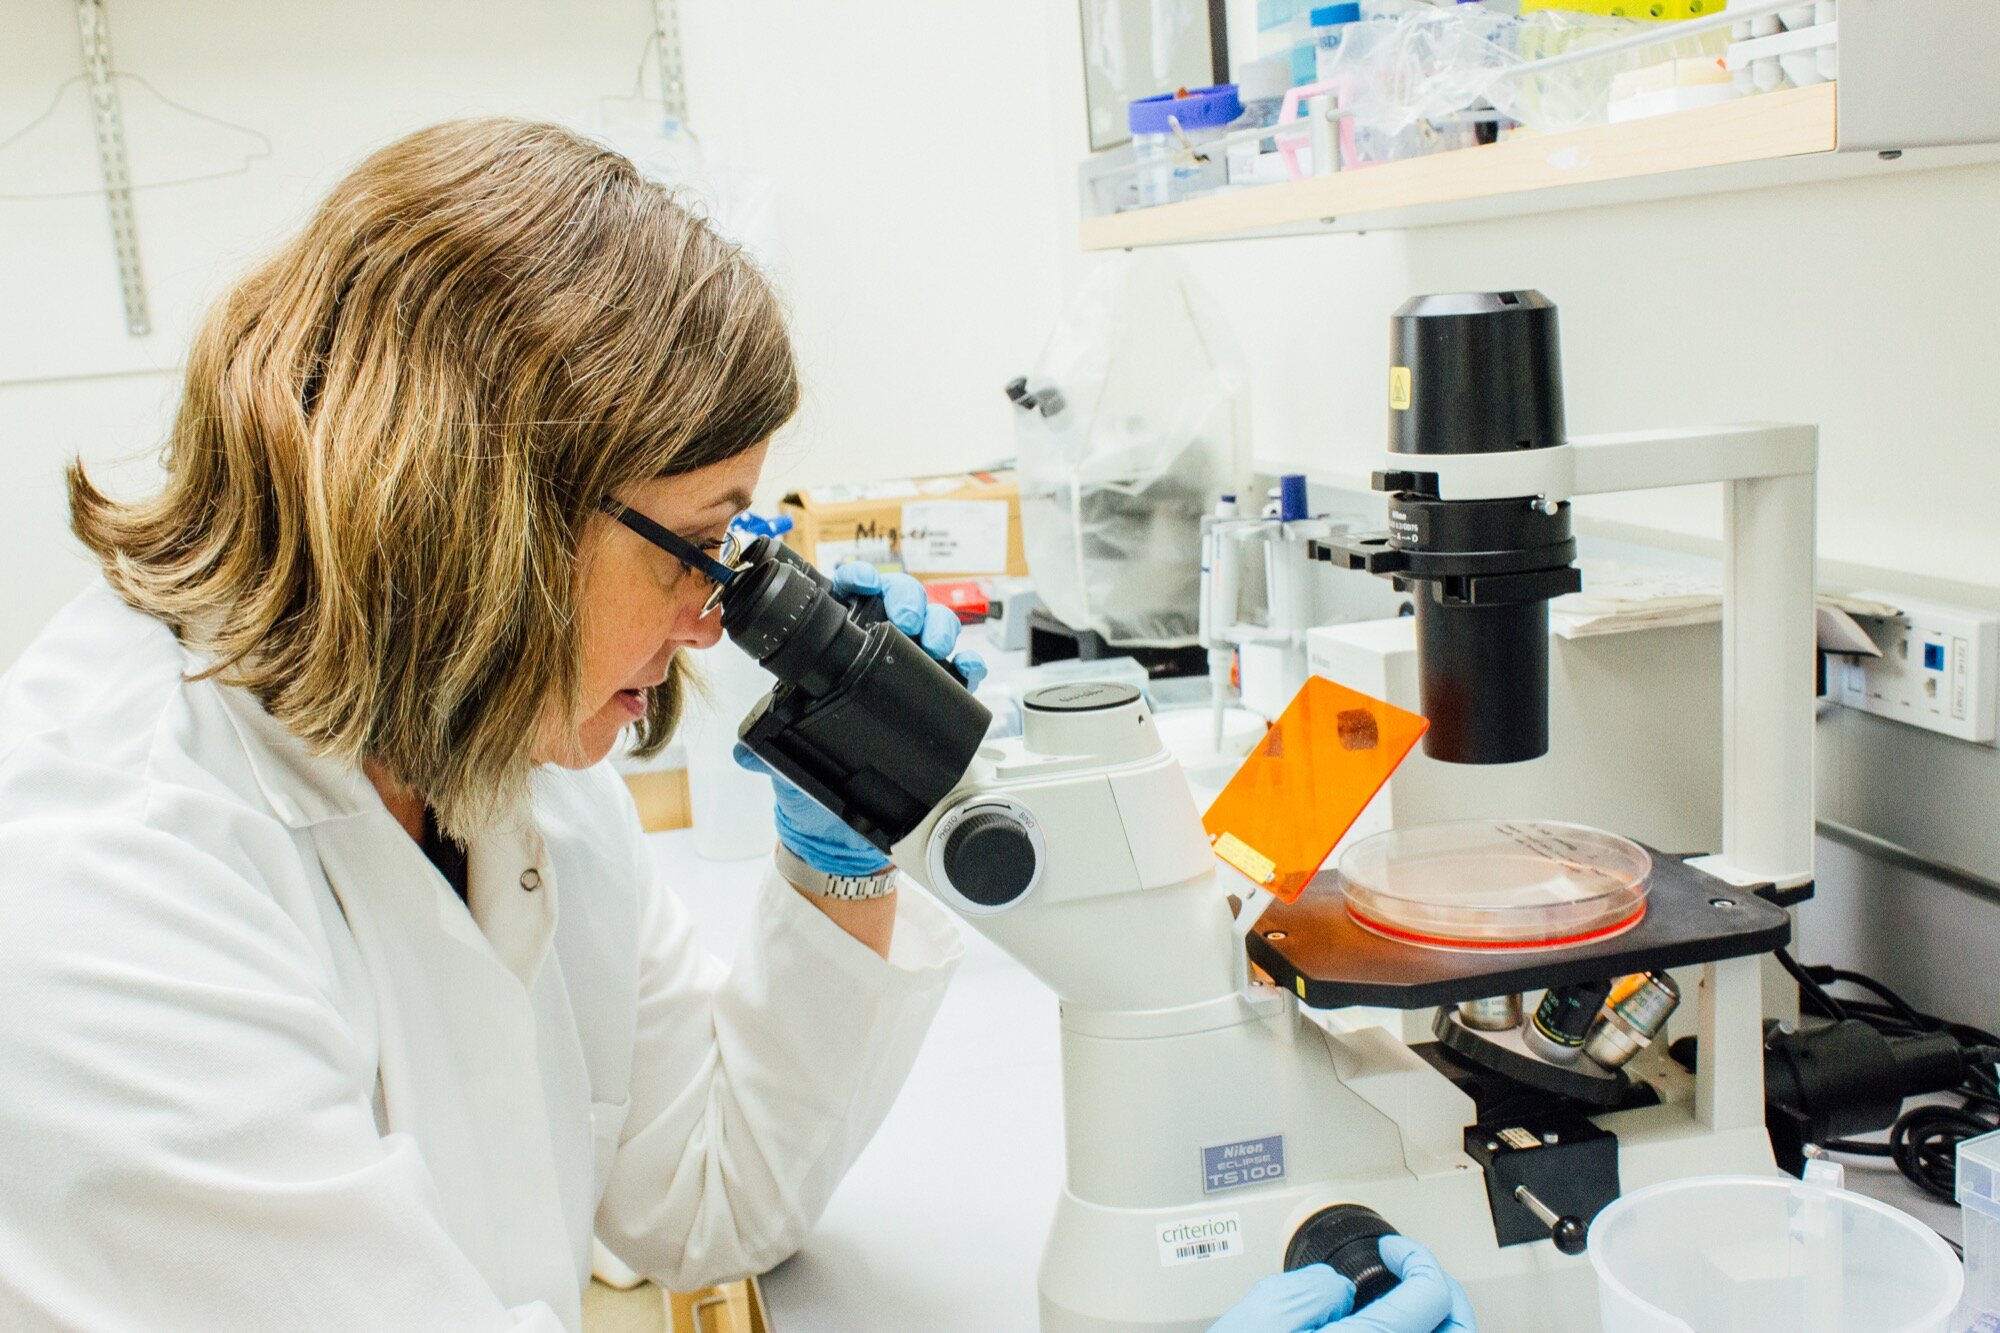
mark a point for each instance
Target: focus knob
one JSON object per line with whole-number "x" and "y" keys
{"x": 1346, "y": 1238}
{"x": 990, "y": 859}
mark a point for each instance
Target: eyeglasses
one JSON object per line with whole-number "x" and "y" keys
{"x": 692, "y": 557}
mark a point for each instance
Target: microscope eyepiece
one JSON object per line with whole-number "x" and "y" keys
{"x": 782, "y": 612}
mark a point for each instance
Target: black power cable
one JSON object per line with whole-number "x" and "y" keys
{"x": 1923, "y": 1140}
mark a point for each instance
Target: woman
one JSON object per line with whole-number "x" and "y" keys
{"x": 337, "y": 989}
{"x": 339, "y": 992}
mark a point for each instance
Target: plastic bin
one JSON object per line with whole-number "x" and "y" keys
{"x": 1745, "y": 1254}
{"x": 1167, "y": 174}
{"x": 1979, "y": 1198}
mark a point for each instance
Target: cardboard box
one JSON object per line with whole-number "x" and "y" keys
{"x": 933, "y": 527}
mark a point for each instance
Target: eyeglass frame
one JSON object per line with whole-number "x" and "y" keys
{"x": 691, "y": 556}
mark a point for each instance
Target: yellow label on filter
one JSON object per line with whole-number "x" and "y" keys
{"x": 1260, "y": 868}
{"x": 1399, "y": 388}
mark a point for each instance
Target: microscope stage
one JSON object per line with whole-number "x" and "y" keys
{"x": 1312, "y": 948}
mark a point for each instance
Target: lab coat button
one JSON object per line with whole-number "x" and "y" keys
{"x": 531, "y": 879}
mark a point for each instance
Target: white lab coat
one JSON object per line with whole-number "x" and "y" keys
{"x": 260, "y": 1068}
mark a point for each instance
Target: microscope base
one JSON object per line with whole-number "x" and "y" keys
{"x": 1163, "y": 1261}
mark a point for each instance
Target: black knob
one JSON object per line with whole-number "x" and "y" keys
{"x": 989, "y": 859}
{"x": 1347, "y": 1238}
{"x": 1570, "y": 1234}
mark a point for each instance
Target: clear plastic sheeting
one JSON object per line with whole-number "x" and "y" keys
{"x": 1137, "y": 418}
{"x": 1412, "y": 66}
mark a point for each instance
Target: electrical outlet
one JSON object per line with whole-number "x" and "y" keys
{"x": 1938, "y": 669}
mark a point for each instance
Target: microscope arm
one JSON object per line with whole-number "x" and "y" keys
{"x": 1768, "y": 603}
{"x": 1621, "y": 461}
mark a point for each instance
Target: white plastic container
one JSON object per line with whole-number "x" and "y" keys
{"x": 1170, "y": 138}
{"x": 1330, "y": 24}
{"x": 1747, "y": 1254}
{"x": 1979, "y": 1202}
{"x": 1261, "y": 85}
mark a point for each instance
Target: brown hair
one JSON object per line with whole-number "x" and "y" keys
{"x": 394, "y": 432}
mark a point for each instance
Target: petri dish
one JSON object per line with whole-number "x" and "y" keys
{"x": 1496, "y": 884}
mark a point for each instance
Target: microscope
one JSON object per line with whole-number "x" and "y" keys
{"x": 1215, "y": 1131}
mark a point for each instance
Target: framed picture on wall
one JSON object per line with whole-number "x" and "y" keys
{"x": 1140, "y": 48}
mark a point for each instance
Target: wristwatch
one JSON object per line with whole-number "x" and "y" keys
{"x": 848, "y": 888}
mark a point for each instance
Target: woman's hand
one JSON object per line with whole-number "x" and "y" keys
{"x": 808, "y": 829}
{"x": 1315, "y": 1299}
{"x": 910, "y": 610}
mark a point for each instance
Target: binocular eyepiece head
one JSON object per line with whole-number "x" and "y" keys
{"x": 862, "y": 719}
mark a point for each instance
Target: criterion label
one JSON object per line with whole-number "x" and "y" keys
{"x": 1193, "y": 1239}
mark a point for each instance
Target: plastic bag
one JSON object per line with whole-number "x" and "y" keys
{"x": 1135, "y": 420}
{"x": 1416, "y": 63}
{"x": 1415, "y": 67}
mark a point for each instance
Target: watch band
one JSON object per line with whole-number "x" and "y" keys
{"x": 821, "y": 884}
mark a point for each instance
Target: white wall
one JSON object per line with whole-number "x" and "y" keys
{"x": 907, "y": 139}
{"x": 918, "y": 262}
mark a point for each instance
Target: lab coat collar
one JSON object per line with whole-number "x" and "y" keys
{"x": 510, "y": 889}
{"x": 303, "y": 788}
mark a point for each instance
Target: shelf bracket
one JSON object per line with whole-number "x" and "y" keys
{"x": 108, "y": 123}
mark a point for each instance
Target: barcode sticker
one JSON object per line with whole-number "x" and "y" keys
{"x": 1193, "y": 1239}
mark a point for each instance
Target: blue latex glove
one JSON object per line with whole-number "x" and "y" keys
{"x": 804, "y": 825}
{"x": 1316, "y": 1299}
{"x": 1304, "y": 1300}
{"x": 810, "y": 829}
{"x": 910, "y": 610}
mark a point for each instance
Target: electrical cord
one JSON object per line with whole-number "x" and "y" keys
{"x": 1923, "y": 1141}
{"x": 1810, "y": 989}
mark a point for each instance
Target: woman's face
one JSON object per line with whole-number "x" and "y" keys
{"x": 639, "y": 606}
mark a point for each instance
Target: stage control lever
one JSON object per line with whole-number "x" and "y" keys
{"x": 1569, "y": 1233}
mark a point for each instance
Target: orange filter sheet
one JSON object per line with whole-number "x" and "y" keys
{"x": 1307, "y": 782}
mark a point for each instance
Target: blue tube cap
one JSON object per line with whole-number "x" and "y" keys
{"x": 1328, "y": 16}
{"x": 752, "y": 525}
{"x": 1292, "y": 502}
{"x": 1194, "y": 108}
